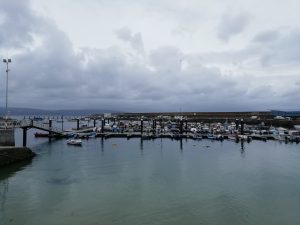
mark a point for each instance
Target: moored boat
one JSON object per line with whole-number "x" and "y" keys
{"x": 74, "y": 142}
{"x": 233, "y": 137}
{"x": 197, "y": 137}
{"x": 211, "y": 136}
{"x": 41, "y": 134}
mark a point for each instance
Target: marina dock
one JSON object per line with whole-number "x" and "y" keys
{"x": 152, "y": 128}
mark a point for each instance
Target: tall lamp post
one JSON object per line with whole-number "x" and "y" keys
{"x": 7, "y": 61}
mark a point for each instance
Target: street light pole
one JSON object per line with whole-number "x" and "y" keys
{"x": 6, "y": 109}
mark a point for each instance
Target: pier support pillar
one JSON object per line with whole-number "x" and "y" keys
{"x": 142, "y": 126}
{"x": 186, "y": 126}
{"x": 77, "y": 121}
{"x": 153, "y": 126}
{"x": 162, "y": 125}
{"x": 24, "y": 137}
{"x": 237, "y": 124}
{"x": 242, "y": 126}
{"x": 181, "y": 126}
{"x": 102, "y": 125}
{"x": 94, "y": 122}
{"x": 62, "y": 123}
{"x": 50, "y": 128}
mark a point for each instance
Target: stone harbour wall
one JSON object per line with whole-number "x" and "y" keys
{"x": 11, "y": 155}
{"x": 7, "y": 137}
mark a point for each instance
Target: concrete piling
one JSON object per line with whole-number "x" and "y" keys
{"x": 242, "y": 126}
{"x": 186, "y": 126}
{"x": 50, "y": 127}
{"x": 181, "y": 126}
{"x": 77, "y": 121}
{"x": 102, "y": 125}
{"x": 153, "y": 126}
{"x": 24, "y": 137}
{"x": 142, "y": 126}
{"x": 62, "y": 123}
{"x": 237, "y": 124}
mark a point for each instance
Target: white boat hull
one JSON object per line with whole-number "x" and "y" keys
{"x": 74, "y": 142}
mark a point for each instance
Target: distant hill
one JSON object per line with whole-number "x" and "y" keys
{"x": 42, "y": 112}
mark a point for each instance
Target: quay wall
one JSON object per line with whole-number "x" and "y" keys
{"x": 7, "y": 137}
{"x": 10, "y": 155}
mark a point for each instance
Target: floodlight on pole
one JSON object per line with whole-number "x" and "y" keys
{"x": 7, "y": 61}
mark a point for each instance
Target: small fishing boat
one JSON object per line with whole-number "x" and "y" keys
{"x": 233, "y": 137}
{"x": 211, "y": 136}
{"x": 146, "y": 136}
{"x": 219, "y": 137}
{"x": 92, "y": 135}
{"x": 45, "y": 135}
{"x": 197, "y": 137}
{"x": 41, "y": 134}
{"x": 177, "y": 136}
{"x": 74, "y": 142}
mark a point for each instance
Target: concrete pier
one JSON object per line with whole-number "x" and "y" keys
{"x": 10, "y": 155}
{"x": 7, "y": 137}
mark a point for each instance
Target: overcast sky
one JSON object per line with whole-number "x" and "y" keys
{"x": 151, "y": 55}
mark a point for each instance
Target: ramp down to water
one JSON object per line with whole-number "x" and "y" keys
{"x": 27, "y": 124}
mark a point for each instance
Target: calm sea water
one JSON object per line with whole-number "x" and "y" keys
{"x": 129, "y": 182}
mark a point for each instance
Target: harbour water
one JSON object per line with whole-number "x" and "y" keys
{"x": 129, "y": 182}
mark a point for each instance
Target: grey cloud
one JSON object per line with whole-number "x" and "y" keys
{"x": 53, "y": 75}
{"x": 167, "y": 58}
{"x": 18, "y": 24}
{"x": 267, "y": 36}
{"x": 282, "y": 50}
{"x": 232, "y": 24}
{"x": 134, "y": 39}
{"x": 259, "y": 91}
{"x": 266, "y": 49}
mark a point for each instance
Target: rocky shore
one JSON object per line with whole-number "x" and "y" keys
{"x": 10, "y": 155}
